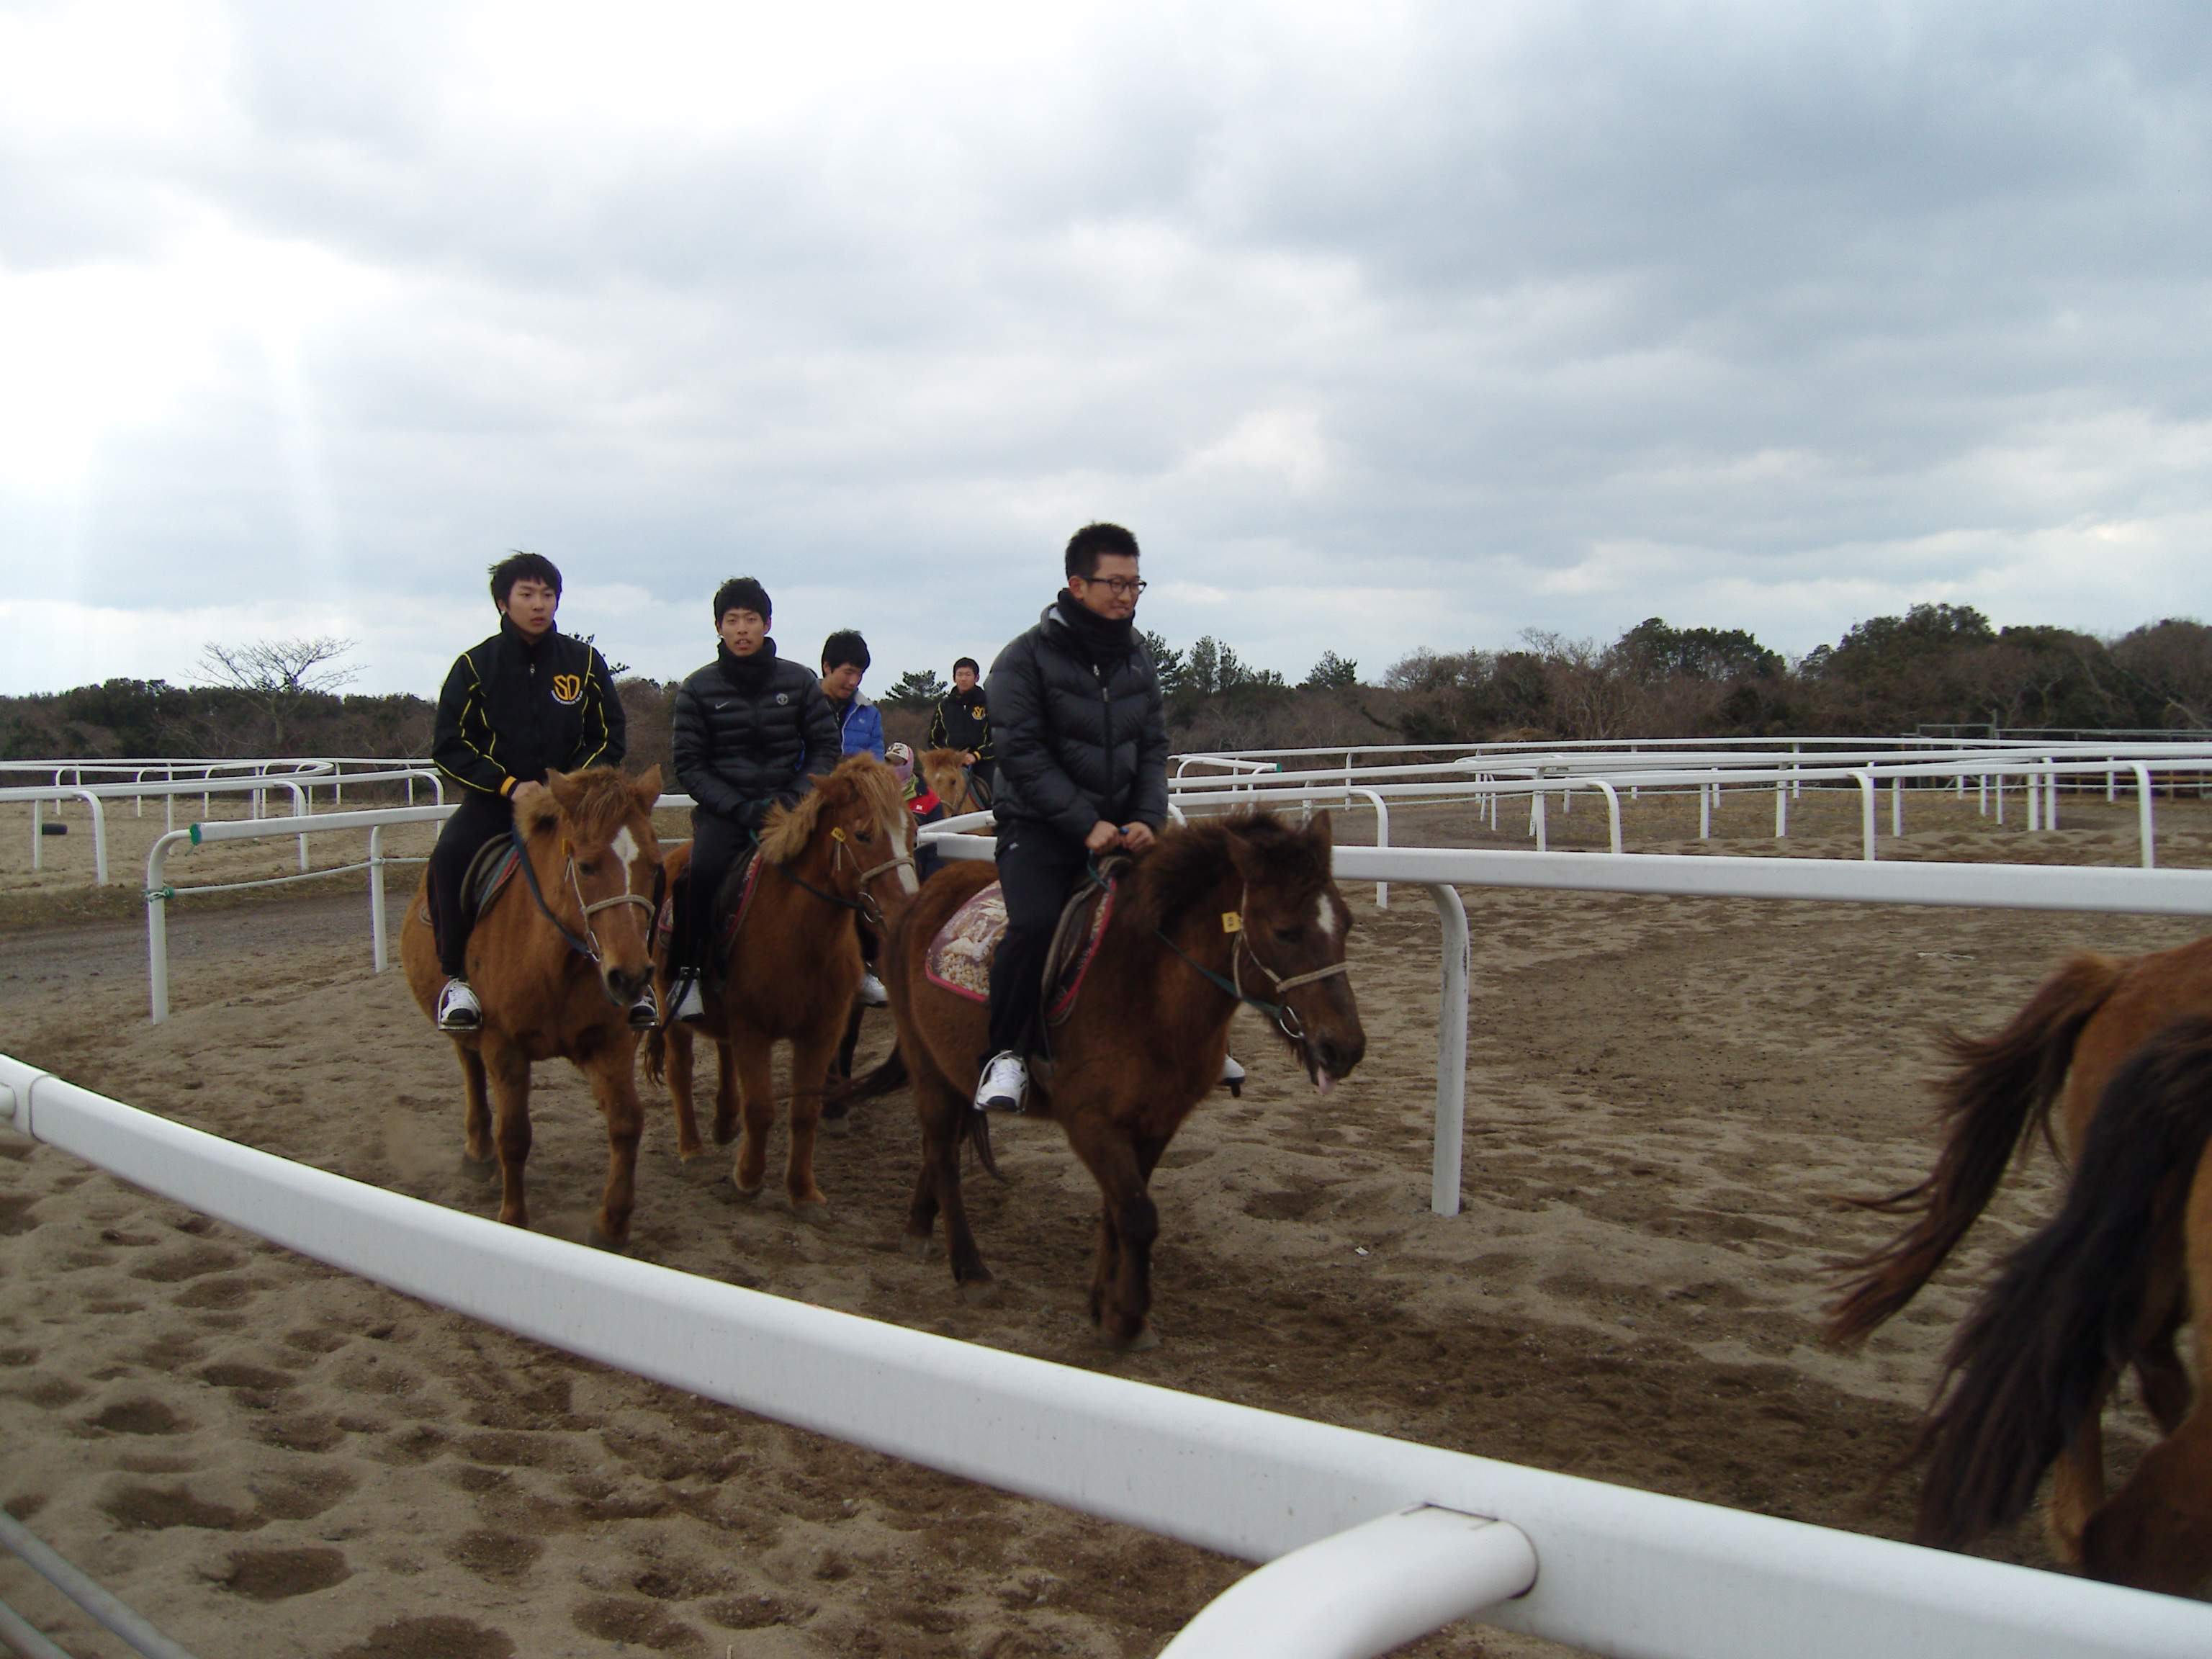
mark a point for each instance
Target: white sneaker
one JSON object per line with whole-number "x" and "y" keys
{"x": 1005, "y": 1085}
{"x": 871, "y": 991}
{"x": 644, "y": 1012}
{"x": 1230, "y": 1071}
{"x": 459, "y": 1009}
{"x": 690, "y": 1005}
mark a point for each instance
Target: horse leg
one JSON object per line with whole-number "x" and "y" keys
{"x": 725, "y": 1094}
{"x": 2156, "y": 1534}
{"x": 939, "y": 1106}
{"x": 837, "y": 1115}
{"x": 507, "y": 1069}
{"x": 756, "y": 1084}
{"x": 479, "y": 1162}
{"x": 2167, "y": 1392}
{"x": 1121, "y": 1281}
{"x": 809, "y": 1074}
{"x": 615, "y": 1086}
{"x": 2077, "y": 1479}
{"x": 680, "y": 1074}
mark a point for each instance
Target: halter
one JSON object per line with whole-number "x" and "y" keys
{"x": 1232, "y": 922}
{"x": 589, "y": 944}
{"x": 841, "y": 849}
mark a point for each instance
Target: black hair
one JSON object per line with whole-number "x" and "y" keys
{"x": 1088, "y": 544}
{"x": 521, "y": 567}
{"x": 742, "y": 593}
{"x": 969, "y": 664}
{"x": 845, "y": 646}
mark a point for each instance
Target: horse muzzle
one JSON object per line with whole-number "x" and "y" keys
{"x": 1329, "y": 1058}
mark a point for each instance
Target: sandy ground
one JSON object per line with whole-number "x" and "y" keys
{"x": 268, "y": 1458}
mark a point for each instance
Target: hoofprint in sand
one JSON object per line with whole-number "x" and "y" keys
{"x": 269, "y": 1458}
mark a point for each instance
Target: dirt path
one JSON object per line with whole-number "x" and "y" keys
{"x": 1662, "y": 1094}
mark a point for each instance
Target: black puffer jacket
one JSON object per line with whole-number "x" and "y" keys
{"x": 963, "y": 721}
{"x": 1078, "y": 740}
{"x": 750, "y": 731}
{"x": 510, "y": 709}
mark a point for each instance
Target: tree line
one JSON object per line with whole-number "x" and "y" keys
{"x": 1937, "y": 666}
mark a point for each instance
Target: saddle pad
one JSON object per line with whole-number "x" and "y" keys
{"x": 959, "y": 957}
{"x": 490, "y": 869}
{"x": 737, "y": 898}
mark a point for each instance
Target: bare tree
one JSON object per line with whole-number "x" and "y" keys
{"x": 276, "y": 676}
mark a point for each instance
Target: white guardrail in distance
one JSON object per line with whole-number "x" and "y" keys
{"x": 1444, "y": 870}
{"x": 1615, "y": 1571}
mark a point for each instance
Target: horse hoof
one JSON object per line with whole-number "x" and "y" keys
{"x": 599, "y": 1241}
{"x": 839, "y": 1125}
{"x": 1143, "y": 1342}
{"x": 479, "y": 1169}
{"x": 748, "y": 1194}
{"x": 979, "y": 1292}
{"x": 724, "y": 1136}
{"x": 914, "y": 1248}
{"x": 814, "y": 1211}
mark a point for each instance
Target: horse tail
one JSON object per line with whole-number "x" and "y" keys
{"x": 656, "y": 1056}
{"x": 890, "y": 1075}
{"x": 2034, "y": 1357}
{"x": 1999, "y": 1088}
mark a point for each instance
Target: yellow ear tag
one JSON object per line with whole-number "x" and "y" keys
{"x": 567, "y": 848}
{"x": 1231, "y": 922}
{"x": 836, "y": 833}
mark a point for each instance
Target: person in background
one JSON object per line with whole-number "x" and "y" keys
{"x": 844, "y": 659}
{"x": 527, "y": 701}
{"x": 920, "y": 800}
{"x": 963, "y": 721}
{"x": 749, "y": 731}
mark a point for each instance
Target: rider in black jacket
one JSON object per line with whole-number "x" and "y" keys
{"x": 528, "y": 700}
{"x": 1081, "y": 734}
{"x": 963, "y": 721}
{"x": 749, "y": 731}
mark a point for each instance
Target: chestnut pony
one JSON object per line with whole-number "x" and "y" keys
{"x": 2126, "y": 1048}
{"x": 1243, "y": 902}
{"x": 556, "y": 961}
{"x": 845, "y": 849}
{"x": 949, "y": 781}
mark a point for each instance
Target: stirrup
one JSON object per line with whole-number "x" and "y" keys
{"x": 1005, "y": 1085}
{"x": 458, "y": 1007}
{"x": 644, "y": 1012}
{"x": 689, "y": 1004}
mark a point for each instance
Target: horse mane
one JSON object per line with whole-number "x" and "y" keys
{"x": 1188, "y": 860}
{"x": 789, "y": 829}
{"x": 603, "y": 799}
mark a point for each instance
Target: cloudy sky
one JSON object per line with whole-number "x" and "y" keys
{"x": 1382, "y": 326}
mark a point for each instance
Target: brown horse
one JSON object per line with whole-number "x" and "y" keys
{"x": 556, "y": 962}
{"x": 950, "y": 781}
{"x": 1243, "y": 902}
{"x": 845, "y": 849}
{"x": 2106, "y": 1285}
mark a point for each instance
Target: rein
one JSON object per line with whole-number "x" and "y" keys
{"x": 865, "y": 905}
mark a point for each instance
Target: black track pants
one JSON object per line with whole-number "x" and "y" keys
{"x": 480, "y": 817}
{"x": 1037, "y": 870}
{"x": 715, "y": 844}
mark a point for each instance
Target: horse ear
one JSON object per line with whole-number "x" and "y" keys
{"x": 646, "y": 786}
{"x": 566, "y": 787}
{"x": 1319, "y": 828}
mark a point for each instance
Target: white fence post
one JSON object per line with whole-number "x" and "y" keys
{"x": 1451, "y": 1053}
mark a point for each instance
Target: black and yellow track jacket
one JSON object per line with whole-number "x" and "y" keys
{"x": 511, "y": 711}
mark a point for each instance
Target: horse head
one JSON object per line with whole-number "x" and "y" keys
{"x": 853, "y": 827}
{"x": 1292, "y": 929}
{"x": 948, "y": 780}
{"x": 602, "y": 895}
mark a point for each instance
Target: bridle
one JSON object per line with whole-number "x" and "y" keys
{"x": 1232, "y": 923}
{"x": 588, "y": 945}
{"x": 841, "y": 850}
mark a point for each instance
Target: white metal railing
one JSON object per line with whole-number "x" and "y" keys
{"x": 1609, "y": 1569}
{"x": 299, "y": 785}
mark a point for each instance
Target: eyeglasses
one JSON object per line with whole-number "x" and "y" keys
{"x": 1122, "y": 585}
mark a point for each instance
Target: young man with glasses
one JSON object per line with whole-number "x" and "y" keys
{"x": 1080, "y": 732}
